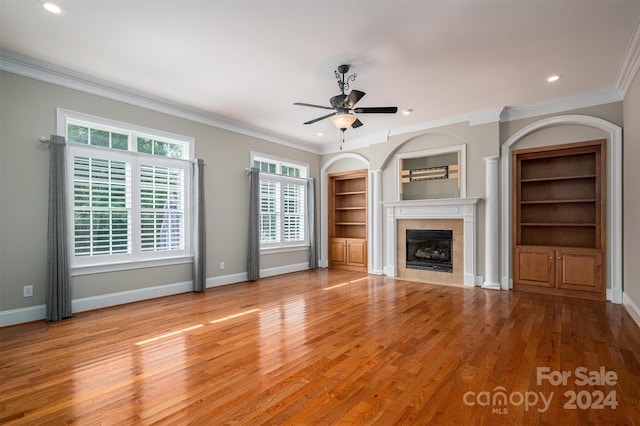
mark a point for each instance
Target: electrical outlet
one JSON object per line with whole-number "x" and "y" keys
{"x": 221, "y": 265}
{"x": 27, "y": 291}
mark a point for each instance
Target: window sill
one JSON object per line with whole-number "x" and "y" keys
{"x": 286, "y": 249}
{"x": 113, "y": 267}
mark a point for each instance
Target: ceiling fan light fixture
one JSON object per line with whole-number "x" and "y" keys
{"x": 343, "y": 121}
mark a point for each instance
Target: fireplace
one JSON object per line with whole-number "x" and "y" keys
{"x": 455, "y": 214}
{"x": 429, "y": 249}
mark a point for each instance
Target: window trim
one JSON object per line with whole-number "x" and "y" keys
{"x": 135, "y": 259}
{"x": 63, "y": 115}
{"x": 285, "y": 246}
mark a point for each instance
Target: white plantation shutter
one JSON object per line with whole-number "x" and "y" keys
{"x": 101, "y": 204}
{"x": 130, "y": 194}
{"x": 294, "y": 211}
{"x": 282, "y": 215}
{"x": 162, "y": 208}
{"x": 269, "y": 220}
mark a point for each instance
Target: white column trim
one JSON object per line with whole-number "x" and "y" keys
{"x": 491, "y": 236}
{"x": 614, "y": 195}
{"x": 376, "y": 222}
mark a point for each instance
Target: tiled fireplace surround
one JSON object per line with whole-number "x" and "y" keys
{"x": 457, "y": 214}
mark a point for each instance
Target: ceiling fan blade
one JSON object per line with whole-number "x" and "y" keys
{"x": 356, "y": 124}
{"x": 312, "y": 105}
{"x": 320, "y": 118}
{"x": 376, "y": 110}
{"x": 353, "y": 98}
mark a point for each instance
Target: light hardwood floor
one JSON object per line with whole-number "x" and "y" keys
{"x": 323, "y": 347}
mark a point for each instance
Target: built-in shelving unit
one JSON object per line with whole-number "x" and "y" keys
{"x": 559, "y": 219}
{"x": 348, "y": 220}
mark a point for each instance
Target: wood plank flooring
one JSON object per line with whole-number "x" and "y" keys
{"x": 324, "y": 347}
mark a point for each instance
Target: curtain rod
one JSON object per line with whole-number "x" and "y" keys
{"x": 45, "y": 139}
{"x": 248, "y": 170}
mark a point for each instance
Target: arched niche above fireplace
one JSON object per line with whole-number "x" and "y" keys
{"x": 431, "y": 174}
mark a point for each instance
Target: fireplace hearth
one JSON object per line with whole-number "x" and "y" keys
{"x": 429, "y": 249}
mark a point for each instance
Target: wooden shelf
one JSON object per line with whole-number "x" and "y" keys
{"x": 558, "y": 224}
{"x": 559, "y": 208}
{"x": 557, "y": 178}
{"x": 348, "y": 220}
{"x": 338, "y": 194}
{"x": 563, "y": 201}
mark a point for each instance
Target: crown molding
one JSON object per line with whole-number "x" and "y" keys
{"x": 39, "y": 70}
{"x": 631, "y": 63}
{"x": 48, "y": 73}
{"x": 498, "y": 114}
{"x": 554, "y": 106}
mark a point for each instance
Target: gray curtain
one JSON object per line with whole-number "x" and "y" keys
{"x": 58, "y": 288}
{"x": 311, "y": 214}
{"x": 199, "y": 230}
{"x": 253, "y": 257}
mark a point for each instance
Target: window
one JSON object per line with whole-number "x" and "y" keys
{"x": 283, "y": 219}
{"x": 128, "y": 191}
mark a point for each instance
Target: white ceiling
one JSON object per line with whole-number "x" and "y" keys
{"x": 249, "y": 61}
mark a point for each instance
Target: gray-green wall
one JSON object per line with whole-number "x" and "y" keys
{"x": 631, "y": 208}
{"x": 28, "y": 110}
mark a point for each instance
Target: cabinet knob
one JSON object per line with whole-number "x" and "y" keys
{"x": 559, "y": 258}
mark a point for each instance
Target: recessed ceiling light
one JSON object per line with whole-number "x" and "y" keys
{"x": 320, "y": 134}
{"x": 407, "y": 111}
{"x": 52, "y": 7}
{"x": 553, "y": 78}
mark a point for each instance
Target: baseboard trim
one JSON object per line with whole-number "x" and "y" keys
{"x": 20, "y": 315}
{"x": 264, "y": 273}
{"x": 226, "y": 279}
{"x": 129, "y": 296}
{"x": 632, "y": 308}
{"x": 287, "y": 269}
{"x": 39, "y": 312}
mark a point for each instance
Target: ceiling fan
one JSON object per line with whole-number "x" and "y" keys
{"x": 344, "y": 105}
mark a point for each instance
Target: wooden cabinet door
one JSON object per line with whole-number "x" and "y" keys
{"x": 337, "y": 251}
{"x": 579, "y": 270}
{"x": 357, "y": 253}
{"x": 535, "y": 266}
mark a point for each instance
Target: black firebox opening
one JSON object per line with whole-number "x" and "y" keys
{"x": 430, "y": 249}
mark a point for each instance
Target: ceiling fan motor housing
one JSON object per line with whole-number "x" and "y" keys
{"x": 338, "y": 102}
{"x": 344, "y": 105}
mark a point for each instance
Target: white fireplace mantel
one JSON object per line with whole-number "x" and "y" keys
{"x": 441, "y": 208}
